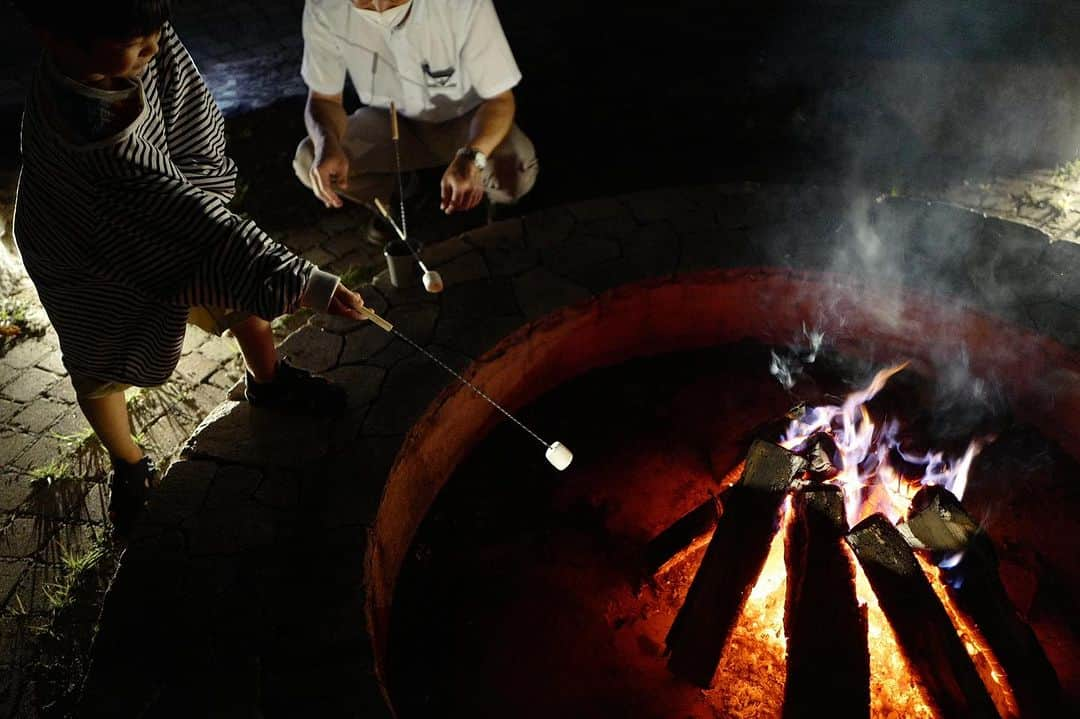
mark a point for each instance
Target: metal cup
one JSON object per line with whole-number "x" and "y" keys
{"x": 403, "y": 269}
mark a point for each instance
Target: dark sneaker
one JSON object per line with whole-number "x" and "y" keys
{"x": 377, "y": 231}
{"x": 297, "y": 391}
{"x": 129, "y": 488}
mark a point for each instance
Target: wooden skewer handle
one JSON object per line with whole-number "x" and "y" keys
{"x": 386, "y": 213}
{"x": 374, "y": 317}
{"x": 381, "y": 208}
{"x": 393, "y": 122}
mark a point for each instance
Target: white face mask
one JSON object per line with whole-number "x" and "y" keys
{"x": 387, "y": 18}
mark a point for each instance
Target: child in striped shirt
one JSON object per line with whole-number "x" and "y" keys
{"x": 122, "y": 225}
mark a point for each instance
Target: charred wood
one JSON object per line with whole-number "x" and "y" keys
{"x": 823, "y": 456}
{"x": 923, "y": 629}
{"x": 828, "y": 659}
{"x": 732, "y": 562}
{"x": 773, "y": 429}
{"x": 690, "y": 533}
{"x": 695, "y": 524}
{"x": 939, "y": 521}
{"x": 973, "y": 583}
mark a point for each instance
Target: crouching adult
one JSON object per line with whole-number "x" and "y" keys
{"x": 447, "y": 67}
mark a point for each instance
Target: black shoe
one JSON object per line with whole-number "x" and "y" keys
{"x": 377, "y": 231}
{"x": 296, "y": 391}
{"x": 129, "y": 488}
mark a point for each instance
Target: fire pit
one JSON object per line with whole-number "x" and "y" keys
{"x": 543, "y": 605}
{"x": 530, "y": 627}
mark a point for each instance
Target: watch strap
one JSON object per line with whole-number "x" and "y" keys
{"x": 478, "y": 158}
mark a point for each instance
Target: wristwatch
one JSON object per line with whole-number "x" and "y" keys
{"x": 478, "y": 158}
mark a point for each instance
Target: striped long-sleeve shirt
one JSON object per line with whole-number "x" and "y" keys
{"x": 121, "y": 220}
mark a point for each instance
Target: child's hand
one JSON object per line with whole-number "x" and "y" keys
{"x": 346, "y": 303}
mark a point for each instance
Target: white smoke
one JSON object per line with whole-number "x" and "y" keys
{"x": 792, "y": 361}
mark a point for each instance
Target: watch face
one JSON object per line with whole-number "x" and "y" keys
{"x": 478, "y": 158}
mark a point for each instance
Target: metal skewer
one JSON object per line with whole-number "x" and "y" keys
{"x": 394, "y": 135}
{"x": 432, "y": 280}
{"x": 556, "y": 453}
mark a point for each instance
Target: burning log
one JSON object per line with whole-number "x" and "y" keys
{"x": 686, "y": 532}
{"x": 691, "y": 530}
{"x": 822, "y": 453}
{"x": 923, "y": 628}
{"x": 828, "y": 658}
{"x": 732, "y": 562}
{"x": 941, "y": 524}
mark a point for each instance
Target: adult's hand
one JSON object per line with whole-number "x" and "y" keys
{"x": 462, "y": 187}
{"x": 329, "y": 170}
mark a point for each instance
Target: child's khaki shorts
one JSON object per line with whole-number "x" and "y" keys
{"x": 215, "y": 320}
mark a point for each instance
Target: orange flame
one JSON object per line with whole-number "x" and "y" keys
{"x": 754, "y": 660}
{"x": 867, "y": 475}
{"x": 757, "y": 647}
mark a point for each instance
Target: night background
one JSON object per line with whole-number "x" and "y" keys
{"x": 621, "y": 96}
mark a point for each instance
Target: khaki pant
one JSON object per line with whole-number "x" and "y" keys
{"x": 214, "y": 320}
{"x": 510, "y": 173}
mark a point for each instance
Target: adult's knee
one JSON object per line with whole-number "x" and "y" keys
{"x": 516, "y": 168}
{"x": 302, "y": 161}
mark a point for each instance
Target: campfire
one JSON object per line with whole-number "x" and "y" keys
{"x": 706, "y": 555}
{"x": 844, "y": 568}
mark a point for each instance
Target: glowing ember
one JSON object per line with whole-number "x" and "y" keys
{"x": 893, "y": 690}
{"x": 753, "y": 665}
{"x": 988, "y": 666}
{"x": 753, "y": 662}
{"x": 870, "y": 481}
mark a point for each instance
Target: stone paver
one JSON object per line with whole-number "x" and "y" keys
{"x": 364, "y": 343}
{"x": 27, "y": 353}
{"x": 313, "y": 348}
{"x": 540, "y": 291}
{"x": 8, "y": 409}
{"x": 12, "y": 444}
{"x": 38, "y": 416}
{"x": 29, "y": 384}
{"x": 1044, "y": 199}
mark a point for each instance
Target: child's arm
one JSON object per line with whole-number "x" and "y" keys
{"x": 174, "y": 242}
{"x": 195, "y": 127}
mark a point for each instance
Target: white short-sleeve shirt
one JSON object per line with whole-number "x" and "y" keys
{"x": 443, "y": 60}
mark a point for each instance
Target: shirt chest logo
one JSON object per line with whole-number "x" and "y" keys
{"x": 438, "y": 78}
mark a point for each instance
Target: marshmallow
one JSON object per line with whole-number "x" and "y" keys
{"x": 433, "y": 282}
{"x": 559, "y": 456}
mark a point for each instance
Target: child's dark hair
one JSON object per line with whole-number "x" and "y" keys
{"x": 109, "y": 19}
